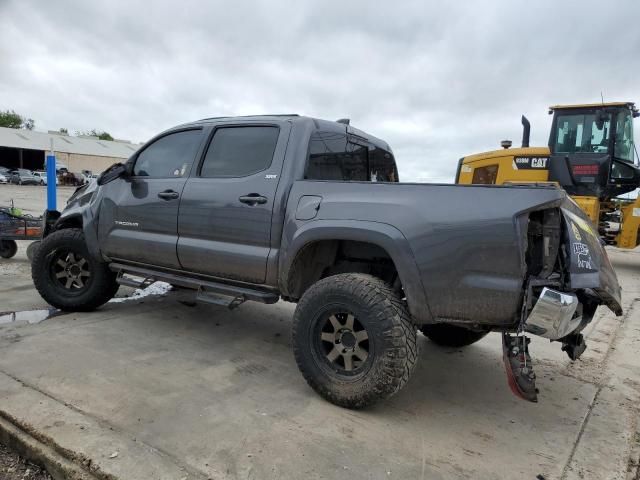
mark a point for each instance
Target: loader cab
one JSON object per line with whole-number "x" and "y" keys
{"x": 592, "y": 149}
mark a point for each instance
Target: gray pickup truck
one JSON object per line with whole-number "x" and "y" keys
{"x": 310, "y": 211}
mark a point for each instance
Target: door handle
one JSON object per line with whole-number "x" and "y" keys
{"x": 168, "y": 195}
{"x": 253, "y": 199}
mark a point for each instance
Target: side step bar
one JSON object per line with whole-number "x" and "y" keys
{"x": 209, "y": 291}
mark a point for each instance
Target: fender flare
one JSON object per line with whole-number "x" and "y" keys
{"x": 385, "y": 236}
{"x": 89, "y": 227}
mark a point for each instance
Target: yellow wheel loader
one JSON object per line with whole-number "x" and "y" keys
{"x": 590, "y": 155}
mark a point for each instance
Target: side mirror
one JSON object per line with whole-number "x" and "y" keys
{"x": 116, "y": 170}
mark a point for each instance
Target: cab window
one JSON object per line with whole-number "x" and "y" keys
{"x": 578, "y": 133}
{"x": 169, "y": 156}
{"x": 623, "y": 147}
{"x": 240, "y": 151}
{"x": 337, "y": 156}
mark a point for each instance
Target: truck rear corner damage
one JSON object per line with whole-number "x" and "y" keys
{"x": 568, "y": 276}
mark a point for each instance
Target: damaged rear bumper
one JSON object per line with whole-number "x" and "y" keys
{"x": 554, "y": 315}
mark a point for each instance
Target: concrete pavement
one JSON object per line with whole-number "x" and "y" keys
{"x": 153, "y": 388}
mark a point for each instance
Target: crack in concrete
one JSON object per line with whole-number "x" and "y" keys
{"x": 600, "y": 385}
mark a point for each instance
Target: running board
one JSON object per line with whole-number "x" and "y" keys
{"x": 208, "y": 291}
{"x": 207, "y": 296}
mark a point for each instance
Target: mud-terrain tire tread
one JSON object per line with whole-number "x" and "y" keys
{"x": 392, "y": 366}
{"x": 103, "y": 286}
{"x": 31, "y": 249}
{"x": 451, "y": 335}
{"x": 8, "y": 249}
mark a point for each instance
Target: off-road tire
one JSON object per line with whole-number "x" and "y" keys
{"x": 451, "y": 335}
{"x": 31, "y": 249}
{"x": 99, "y": 290}
{"x": 8, "y": 248}
{"x": 393, "y": 349}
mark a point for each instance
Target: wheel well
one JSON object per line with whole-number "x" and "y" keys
{"x": 324, "y": 258}
{"x": 69, "y": 222}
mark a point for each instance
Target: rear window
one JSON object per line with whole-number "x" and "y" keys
{"x": 336, "y": 156}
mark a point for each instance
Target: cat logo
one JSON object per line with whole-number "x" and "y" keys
{"x": 576, "y": 232}
{"x": 538, "y": 162}
{"x": 530, "y": 163}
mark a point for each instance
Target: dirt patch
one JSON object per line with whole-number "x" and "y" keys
{"x": 14, "y": 467}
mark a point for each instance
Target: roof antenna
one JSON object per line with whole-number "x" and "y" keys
{"x": 601, "y": 97}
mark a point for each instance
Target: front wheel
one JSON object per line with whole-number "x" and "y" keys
{"x": 8, "y": 248}
{"x": 451, "y": 335}
{"x": 67, "y": 277}
{"x": 353, "y": 340}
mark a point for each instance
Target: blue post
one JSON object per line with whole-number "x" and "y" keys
{"x": 51, "y": 181}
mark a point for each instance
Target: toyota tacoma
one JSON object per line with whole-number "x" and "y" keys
{"x": 310, "y": 211}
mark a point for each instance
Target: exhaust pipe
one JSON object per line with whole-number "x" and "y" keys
{"x": 526, "y": 130}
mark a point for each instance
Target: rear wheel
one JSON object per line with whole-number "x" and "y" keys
{"x": 8, "y": 248}
{"x": 354, "y": 340}
{"x": 451, "y": 335}
{"x": 67, "y": 277}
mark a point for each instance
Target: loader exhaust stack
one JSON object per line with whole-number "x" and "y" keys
{"x": 526, "y": 130}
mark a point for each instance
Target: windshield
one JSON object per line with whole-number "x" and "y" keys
{"x": 582, "y": 133}
{"x": 623, "y": 148}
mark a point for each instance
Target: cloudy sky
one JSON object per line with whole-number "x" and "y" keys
{"x": 437, "y": 80}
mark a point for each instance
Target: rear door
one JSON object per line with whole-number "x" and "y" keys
{"x": 138, "y": 219}
{"x": 225, "y": 212}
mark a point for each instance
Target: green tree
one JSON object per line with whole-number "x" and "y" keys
{"x": 104, "y": 136}
{"x": 101, "y": 134}
{"x": 10, "y": 119}
{"x": 64, "y": 131}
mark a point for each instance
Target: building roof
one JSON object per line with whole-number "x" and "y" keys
{"x": 29, "y": 139}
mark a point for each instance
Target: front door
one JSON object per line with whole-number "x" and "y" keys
{"x": 225, "y": 213}
{"x": 138, "y": 220}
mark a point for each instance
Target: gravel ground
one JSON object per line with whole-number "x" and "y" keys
{"x": 14, "y": 467}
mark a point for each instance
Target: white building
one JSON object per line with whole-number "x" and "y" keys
{"x": 21, "y": 148}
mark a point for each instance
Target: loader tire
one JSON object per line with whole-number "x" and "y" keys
{"x": 67, "y": 277}
{"x": 354, "y": 340}
{"x": 451, "y": 335}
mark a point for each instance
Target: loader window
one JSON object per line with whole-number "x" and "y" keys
{"x": 623, "y": 149}
{"x": 485, "y": 175}
{"x": 582, "y": 133}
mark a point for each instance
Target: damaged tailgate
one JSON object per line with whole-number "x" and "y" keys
{"x": 588, "y": 264}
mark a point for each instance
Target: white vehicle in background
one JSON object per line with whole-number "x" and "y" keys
{"x": 4, "y": 175}
{"x": 42, "y": 176}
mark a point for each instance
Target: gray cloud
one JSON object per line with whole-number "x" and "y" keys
{"x": 437, "y": 81}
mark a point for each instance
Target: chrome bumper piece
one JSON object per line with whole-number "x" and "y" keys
{"x": 552, "y": 316}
